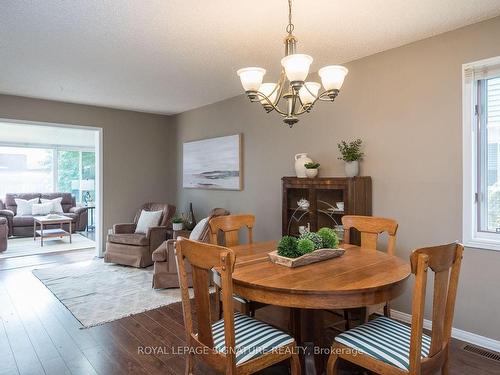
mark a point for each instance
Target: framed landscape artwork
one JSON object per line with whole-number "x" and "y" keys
{"x": 213, "y": 163}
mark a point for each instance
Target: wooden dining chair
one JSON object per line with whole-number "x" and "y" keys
{"x": 370, "y": 228}
{"x": 229, "y": 227}
{"x": 388, "y": 347}
{"x": 237, "y": 344}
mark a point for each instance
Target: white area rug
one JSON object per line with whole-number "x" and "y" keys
{"x": 19, "y": 247}
{"x": 96, "y": 292}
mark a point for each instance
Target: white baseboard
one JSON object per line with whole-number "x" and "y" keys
{"x": 456, "y": 333}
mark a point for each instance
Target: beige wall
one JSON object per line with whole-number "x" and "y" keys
{"x": 406, "y": 105}
{"x": 138, "y": 159}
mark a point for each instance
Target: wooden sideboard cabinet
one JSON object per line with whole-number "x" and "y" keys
{"x": 325, "y": 196}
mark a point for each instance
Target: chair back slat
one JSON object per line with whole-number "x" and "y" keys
{"x": 201, "y": 283}
{"x": 370, "y": 228}
{"x": 230, "y": 226}
{"x": 203, "y": 258}
{"x": 445, "y": 261}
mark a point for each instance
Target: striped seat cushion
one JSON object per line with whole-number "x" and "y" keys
{"x": 253, "y": 338}
{"x": 384, "y": 339}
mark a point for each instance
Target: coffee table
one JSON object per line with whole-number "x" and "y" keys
{"x": 56, "y": 232}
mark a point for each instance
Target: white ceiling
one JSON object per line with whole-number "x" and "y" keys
{"x": 168, "y": 56}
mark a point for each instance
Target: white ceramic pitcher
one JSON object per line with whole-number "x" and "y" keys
{"x": 300, "y": 160}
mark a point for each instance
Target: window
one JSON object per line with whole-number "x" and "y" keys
{"x": 48, "y": 169}
{"x": 481, "y": 158}
{"x": 25, "y": 169}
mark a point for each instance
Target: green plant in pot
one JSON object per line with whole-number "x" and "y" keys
{"x": 177, "y": 223}
{"x": 311, "y": 169}
{"x": 351, "y": 155}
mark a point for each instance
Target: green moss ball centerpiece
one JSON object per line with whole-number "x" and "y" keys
{"x": 309, "y": 248}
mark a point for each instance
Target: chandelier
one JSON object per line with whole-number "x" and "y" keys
{"x": 292, "y": 89}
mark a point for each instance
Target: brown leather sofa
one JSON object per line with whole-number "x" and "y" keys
{"x": 128, "y": 248}
{"x": 165, "y": 269}
{"x": 23, "y": 225}
{"x": 4, "y": 232}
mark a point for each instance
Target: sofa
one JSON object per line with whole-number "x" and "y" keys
{"x": 128, "y": 248}
{"x": 23, "y": 225}
{"x": 4, "y": 231}
{"x": 165, "y": 266}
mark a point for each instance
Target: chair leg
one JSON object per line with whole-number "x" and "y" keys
{"x": 189, "y": 364}
{"x": 295, "y": 364}
{"x": 346, "y": 318}
{"x": 333, "y": 363}
{"x": 444, "y": 369}
{"x": 387, "y": 309}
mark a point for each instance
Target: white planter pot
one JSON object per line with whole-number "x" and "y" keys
{"x": 300, "y": 160}
{"x": 177, "y": 226}
{"x": 351, "y": 168}
{"x": 311, "y": 173}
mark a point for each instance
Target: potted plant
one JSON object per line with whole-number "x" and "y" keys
{"x": 177, "y": 223}
{"x": 351, "y": 154}
{"x": 311, "y": 169}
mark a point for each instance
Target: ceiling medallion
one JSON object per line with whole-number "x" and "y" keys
{"x": 298, "y": 94}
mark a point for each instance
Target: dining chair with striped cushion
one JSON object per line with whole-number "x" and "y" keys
{"x": 370, "y": 228}
{"x": 236, "y": 344}
{"x": 386, "y": 346}
{"x": 229, "y": 227}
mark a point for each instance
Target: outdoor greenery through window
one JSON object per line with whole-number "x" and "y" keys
{"x": 488, "y": 112}
{"x": 32, "y": 169}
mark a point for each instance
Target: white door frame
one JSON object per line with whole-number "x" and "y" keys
{"x": 99, "y": 221}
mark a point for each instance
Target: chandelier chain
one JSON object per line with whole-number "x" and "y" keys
{"x": 290, "y": 26}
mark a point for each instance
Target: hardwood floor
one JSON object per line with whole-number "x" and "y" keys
{"x": 38, "y": 335}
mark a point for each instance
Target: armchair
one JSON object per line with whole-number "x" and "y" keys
{"x": 165, "y": 267}
{"x": 8, "y": 215}
{"x": 4, "y": 231}
{"x": 128, "y": 248}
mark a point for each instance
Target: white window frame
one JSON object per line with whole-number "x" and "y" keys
{"x": 471, "y": 236}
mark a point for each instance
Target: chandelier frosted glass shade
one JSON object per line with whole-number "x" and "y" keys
{"x": 296, "y": 66}
{"x": 332, "y": 76}
{"x": 271, "y": 91}
{"x": 251, "y": 78}
{"x": 309, "y": 92}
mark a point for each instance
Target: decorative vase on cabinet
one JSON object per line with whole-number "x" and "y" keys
{"x": 352, "y": 168}
{"x": 300, "y": 160}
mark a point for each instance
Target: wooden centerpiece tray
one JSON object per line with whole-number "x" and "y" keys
{"x": 313, "y": 257}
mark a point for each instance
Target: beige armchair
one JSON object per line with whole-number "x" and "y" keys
{"x": 165, "y": 267}
{"x": 126, "y": 247}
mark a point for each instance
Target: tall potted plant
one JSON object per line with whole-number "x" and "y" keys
{"x": 351, "y": 155}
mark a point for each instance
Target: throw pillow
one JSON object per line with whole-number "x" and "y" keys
{"x": 148, "y": 219}
{"x": 41, "y": 208}
{"x": 198, "y": 229}
{"x": 24, "y": 207}
{"x": 56, "y": 205}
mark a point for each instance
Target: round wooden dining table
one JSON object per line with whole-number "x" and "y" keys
{"x": 361, "y": 277}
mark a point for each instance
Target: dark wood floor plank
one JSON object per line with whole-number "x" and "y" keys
{"x": 131, "y": 344}
{"x": 129, "y": 364}
{"x": 165, "y": 350}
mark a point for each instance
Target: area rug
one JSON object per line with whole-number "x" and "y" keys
{"x": 20, "y": 247}
{"x": 96, "y": 292}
